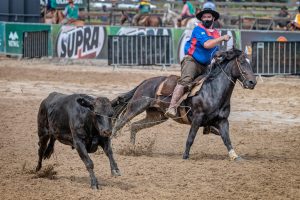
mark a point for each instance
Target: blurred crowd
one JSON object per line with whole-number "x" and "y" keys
{"x": 285, "y": 19}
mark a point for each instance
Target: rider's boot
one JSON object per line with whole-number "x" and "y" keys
{"x": 177, "y": 94}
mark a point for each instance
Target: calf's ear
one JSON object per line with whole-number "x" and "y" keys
{"x": 85, "y": 103}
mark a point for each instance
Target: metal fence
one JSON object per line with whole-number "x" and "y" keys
{"x": 35, "y": 44}
{"x": 271, "y": 58}
{"x": 140, "y": 50}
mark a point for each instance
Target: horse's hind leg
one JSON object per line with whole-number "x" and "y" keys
{"x": 153, "y": 117}
{"x": 134, "y": 108}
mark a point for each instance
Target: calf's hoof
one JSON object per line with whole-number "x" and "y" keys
{"x": 115, "y": 172}
{"x": 38, "y": 167}
{"x": 95, "y": 187}
{"x": 185, "y": 156}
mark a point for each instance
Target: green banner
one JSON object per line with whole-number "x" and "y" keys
{"x": 2, "y": 36}
{"x": 14, "y": 35}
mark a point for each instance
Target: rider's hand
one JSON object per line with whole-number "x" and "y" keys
{"x": 226, "y": 37}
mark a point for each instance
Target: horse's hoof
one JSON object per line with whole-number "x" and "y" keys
{"x": 132, "y": 142}
{"x": 115, "y": 172}
{"x": 114, "y": 133}
{"x": 238, "y": 159}
{"x": 38, "y": 168}
{"x": 95, "y": 187}
{"x": 185, "y": 157}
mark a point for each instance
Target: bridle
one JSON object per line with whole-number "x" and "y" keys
{"x": 242, "y": 73}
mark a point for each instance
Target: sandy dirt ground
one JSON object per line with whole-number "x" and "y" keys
{"x": 264, "y": 125}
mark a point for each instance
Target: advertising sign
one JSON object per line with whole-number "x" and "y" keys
{"x": 80, "y": 42}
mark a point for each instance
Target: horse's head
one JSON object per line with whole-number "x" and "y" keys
{"x": 241, "y": 69}
{"x": 167, "y": 7}
{"x": 169, "y": 15}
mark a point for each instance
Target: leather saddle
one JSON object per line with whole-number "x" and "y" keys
{"x": 167, "y": 87}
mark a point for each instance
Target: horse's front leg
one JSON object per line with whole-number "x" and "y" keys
{"x": 223, "y": 127}
{"x": 196, "y": 123}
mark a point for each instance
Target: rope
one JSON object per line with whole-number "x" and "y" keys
{"x": 143, "y": 99}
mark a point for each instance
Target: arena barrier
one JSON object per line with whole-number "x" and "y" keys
{"x": 272, "y": 58}
{"x": 35, "y": 44}
{"x": 140, "y": 50}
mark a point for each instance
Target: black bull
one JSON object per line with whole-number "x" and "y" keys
{"x": 210, "y": 107}
{"x": 80, "y": 121}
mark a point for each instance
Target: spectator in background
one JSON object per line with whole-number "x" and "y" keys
{"x": 283, "y": 13}
{"x": 144, "y": 8}
{"x": 296, "y": 22}
{"x": 51, "y": 16}
{"x": 209, "y": 4}
{"x": 188, "y": 10}
{"x": 51, "y": 5}
{"x": 71, "y": 13}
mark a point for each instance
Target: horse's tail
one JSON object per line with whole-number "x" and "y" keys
{"x": 119, "y": 103}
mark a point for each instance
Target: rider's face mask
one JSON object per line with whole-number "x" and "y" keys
{"x": 207, "y": 20}
{"x": 207, "y": 23}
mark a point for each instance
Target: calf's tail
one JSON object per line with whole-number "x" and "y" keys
{"x": 46, "y": 150}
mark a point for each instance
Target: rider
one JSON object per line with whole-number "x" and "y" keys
{"x": 283, "y": 15}
{"x": 296, "y": 22}
{"x": 144, "y": 8}
{"x": 71, "y": 12}
{"x": 188, "y": 10}
{"x": 51, "y": 10}
{"x": 209, "y": 4}
{"x": 51, "y": 5}
{"x": 199, "y": 51}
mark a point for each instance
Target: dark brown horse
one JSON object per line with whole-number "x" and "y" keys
{"x": 144, "y": 20}
{"x": 209, "y": 107}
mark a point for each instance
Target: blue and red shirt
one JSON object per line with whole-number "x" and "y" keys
{"x": 195, "y": 45}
